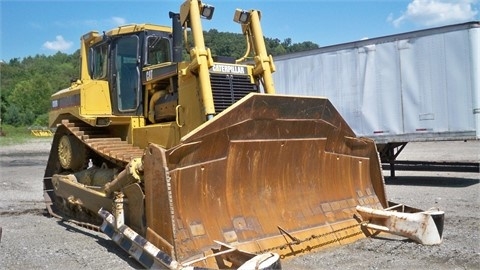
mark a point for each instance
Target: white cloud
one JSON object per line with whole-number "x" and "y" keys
{"x": 59, "y": 44}
{"x": 436, "y": 12}
{"x": 36, "y": 25}
{"x": 105, "y": 23}
{"x": 117, "y": 21}
{"x": 93, "y": 24}
{"x": 89, "y": 23}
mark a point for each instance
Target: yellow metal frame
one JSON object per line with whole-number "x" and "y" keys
{"x": 95, "y": 98}
{"x": 201, "y": 58}
{"x": 132, "y": 28}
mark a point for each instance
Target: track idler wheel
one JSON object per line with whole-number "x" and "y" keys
{"x": 71, "y": 153}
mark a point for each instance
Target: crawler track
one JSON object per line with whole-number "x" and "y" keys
{"x": 96, "y": 141}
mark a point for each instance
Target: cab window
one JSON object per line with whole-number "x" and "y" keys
{"x": 158, "y": 50}
{"x": 99, "y": 62}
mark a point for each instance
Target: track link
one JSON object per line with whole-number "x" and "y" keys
{"x": 98, "y": 140}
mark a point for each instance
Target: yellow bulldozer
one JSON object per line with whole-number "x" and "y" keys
{"x": 198, "y": 163}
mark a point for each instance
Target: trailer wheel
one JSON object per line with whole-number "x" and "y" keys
{"x": 71, "y": 153}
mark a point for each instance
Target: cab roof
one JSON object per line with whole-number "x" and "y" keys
{"x": 94, "y": 36}
{"x": 131, "y": 28}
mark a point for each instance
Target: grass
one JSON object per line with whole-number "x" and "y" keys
{"x": 16, "y": 135}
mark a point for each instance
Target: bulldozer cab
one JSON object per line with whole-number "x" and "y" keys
{"x": 120, "y": 59}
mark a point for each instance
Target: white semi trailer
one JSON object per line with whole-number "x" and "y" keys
{"x": 416, "y": 86}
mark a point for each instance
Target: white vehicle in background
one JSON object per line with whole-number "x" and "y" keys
{"x": 416, "y": 86}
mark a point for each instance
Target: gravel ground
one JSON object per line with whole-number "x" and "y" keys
{"x": 32, "y": 240}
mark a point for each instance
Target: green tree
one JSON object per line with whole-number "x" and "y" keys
{"x": 14, "y": 116}
{"x": 41, "y": 120}
{"x": 26, "y": 85}
{"x": 3, "y": 105}
{"x": 234, "y": 44}
{"x": 25, "y": 102}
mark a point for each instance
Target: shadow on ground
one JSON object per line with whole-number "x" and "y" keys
{"x": 431, "y": 181}
{"x": 108, "y": 244}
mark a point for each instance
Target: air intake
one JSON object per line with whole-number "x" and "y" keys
{"x": 228, "y": 89}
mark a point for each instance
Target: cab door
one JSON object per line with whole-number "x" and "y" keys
{"x": 126, "y": 85}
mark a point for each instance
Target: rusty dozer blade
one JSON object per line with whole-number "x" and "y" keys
{"x": 271, "y": 173}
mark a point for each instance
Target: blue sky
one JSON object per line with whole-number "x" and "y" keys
{"x": 36, "y": 27}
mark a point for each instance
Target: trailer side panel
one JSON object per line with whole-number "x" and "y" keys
{"x": 415, "y": 86}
